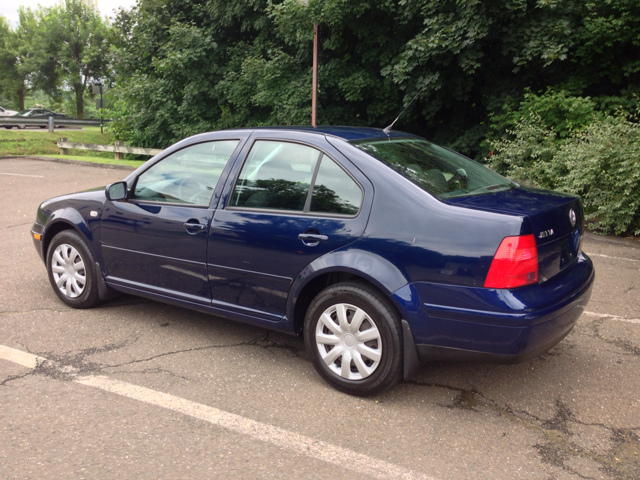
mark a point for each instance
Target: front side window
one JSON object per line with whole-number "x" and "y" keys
{"x": 437, "y": 170}
{"x": 187, "y": 176}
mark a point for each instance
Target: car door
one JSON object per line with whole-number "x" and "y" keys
{"x": 287, "y": 203}
{"x": 156, "y": 240}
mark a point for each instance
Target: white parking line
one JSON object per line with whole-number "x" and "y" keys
{"x": 285, "y": 439}
{"x": 610, "y": 256}
{"x": 25, "y": 359}
{"x": 613, "y": 317}
{"x": 21, "y": 175}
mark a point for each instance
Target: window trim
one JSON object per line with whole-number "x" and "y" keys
{"x": 305, "y": 211}
{"x": 137, "y": 201}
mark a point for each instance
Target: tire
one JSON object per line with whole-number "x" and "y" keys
{"x": 375, "y": 349}
{"x": 22, "y": 127}
{"x": 9, "y": 127}
{"x": 66, "y": 251}
{"x": 42, "y": 126}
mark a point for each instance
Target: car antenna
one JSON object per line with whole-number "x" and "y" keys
{"x": 429, "y": 80}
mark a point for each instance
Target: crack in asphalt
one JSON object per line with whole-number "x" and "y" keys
{"x": 624, "y": 345}
{"x": 10, "y": 378}
{"x": 18, "y": 225}
{"x": 156, "y": 370}
{"x": 295, "y": 351}
{"x": 253, "y": 341}
{"x": 69, "y": 367}
{"x": 620, "y": 462}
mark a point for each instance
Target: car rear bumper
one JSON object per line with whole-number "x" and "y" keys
{"x": 505, "y": 335}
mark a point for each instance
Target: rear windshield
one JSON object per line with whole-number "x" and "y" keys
{"x": 437, "y": 170}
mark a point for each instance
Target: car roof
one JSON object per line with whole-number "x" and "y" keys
{"x": 346, "y": 133}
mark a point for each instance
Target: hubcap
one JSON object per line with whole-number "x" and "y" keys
{"x": 68, "y": 271}
{"x": 349, "y": 341}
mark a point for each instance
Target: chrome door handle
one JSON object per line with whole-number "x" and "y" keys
{"x": 194, "y": 226}
{"x": 312, "y": 237}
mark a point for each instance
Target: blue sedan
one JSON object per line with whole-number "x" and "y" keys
{"x": 383, "y": 250}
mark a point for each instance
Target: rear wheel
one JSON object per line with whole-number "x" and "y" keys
{"x": 71, "y": 269}
{"x": 354, "y": 338}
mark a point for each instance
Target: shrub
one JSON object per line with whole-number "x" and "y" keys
{"x": 600, "y": 162}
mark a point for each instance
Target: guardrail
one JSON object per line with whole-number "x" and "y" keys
{"x": 118, "y": 148}
{"x": 50, "y": 122}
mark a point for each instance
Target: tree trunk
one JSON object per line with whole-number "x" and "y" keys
{"x": 20, "y": 93}
{"x": 79, "y": 91}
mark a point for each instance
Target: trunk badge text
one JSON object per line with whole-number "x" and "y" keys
{"x": 546, "y": 233}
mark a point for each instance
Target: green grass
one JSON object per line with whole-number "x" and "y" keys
{"x": 29, "y": 142}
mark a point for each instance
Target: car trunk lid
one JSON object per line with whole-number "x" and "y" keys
{"x": 556, "y": 220}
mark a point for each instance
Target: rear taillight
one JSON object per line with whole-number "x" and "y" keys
{"x": 515, "y": 263}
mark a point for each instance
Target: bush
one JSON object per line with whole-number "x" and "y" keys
{"x": 600, "y": 162}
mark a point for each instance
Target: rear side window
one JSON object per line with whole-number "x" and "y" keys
{"x": 334, "y": 191}
{"x": 276, "y": 176}
{"x": 437, "y": 170}
{"x": 292, "y": 177}
{"x": 187, "y": 176}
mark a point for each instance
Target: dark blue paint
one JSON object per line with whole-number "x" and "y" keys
{"x": 430, "y": 256}
{"x": 545, "y": 210}
{"x": 148, "y": 245}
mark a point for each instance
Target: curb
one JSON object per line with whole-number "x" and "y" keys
{"x": 70, "y": 162}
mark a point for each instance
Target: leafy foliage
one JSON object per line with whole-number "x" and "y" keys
{"x": 185, "y": 66}
{"x": 54, "y": 50}
{"x": 72, "y": 39}
{"x": 17, "y": 61}
{"x": 600, "y": 162}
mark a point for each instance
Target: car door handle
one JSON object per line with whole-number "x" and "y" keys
{"x": 194, "y": 226}
{"x": 312, "y": 237}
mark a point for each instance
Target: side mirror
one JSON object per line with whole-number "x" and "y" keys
{"x": 116, "y": 191}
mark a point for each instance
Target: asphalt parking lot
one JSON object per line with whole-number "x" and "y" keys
{"x": 138, "y": 389}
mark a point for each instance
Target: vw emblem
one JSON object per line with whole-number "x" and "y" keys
{"x": 572, "y": 217}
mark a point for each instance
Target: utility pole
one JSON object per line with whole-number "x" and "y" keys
{"x": 314, "y": 94}
{"x": 314, "y": 87}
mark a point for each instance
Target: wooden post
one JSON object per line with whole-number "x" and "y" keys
{"x": 63, "y": 151}
{"x": 314, "y": 93}
{"x": 118, "y": 155}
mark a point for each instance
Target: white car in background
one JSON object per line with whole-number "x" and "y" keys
{"x": 6, "y": 113}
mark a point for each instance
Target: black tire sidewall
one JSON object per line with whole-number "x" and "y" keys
{"x": 89, "y": 296}
{"x": 385, "y": 317}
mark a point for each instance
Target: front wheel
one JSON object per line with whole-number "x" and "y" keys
{"x": 71, "y": 269}
{"x": 354, "y": 338}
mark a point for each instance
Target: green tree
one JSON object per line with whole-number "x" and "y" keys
{"x": 17, "y": 64}
{"x": 71, "y": 38}
{"x": 184, "y": 66}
